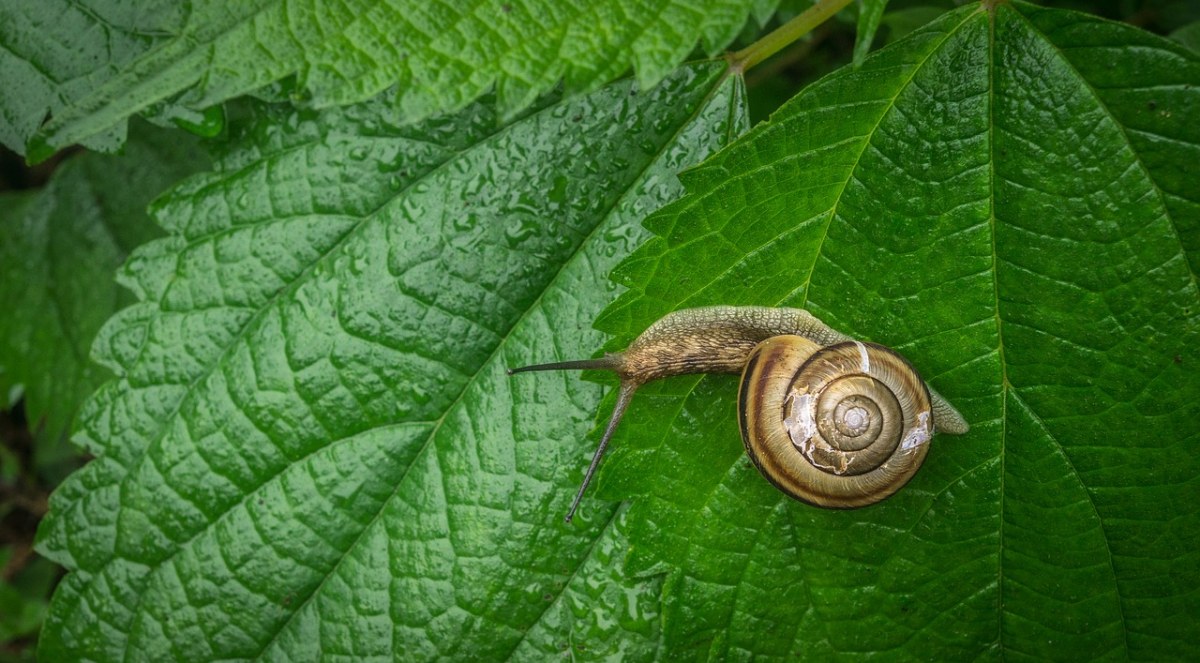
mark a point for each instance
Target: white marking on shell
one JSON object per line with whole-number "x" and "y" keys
{"x": 864, "y": 362}
{"x": 920, "y": 434}
{"x": 801, "y": 425}
{"x": 801, "y": 421}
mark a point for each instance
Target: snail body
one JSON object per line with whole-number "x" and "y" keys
{"x": 829, "y": 420}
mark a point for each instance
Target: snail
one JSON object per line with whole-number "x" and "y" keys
{"x": 827, "y": 419}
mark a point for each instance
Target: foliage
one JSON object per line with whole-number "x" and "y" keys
{"x": 310, "y": 447}
{"x": 61, "y": 247}
{"x": 93, "y": 67}
{"x": 349, "y": 293}
{"x": 1036, "y": 258}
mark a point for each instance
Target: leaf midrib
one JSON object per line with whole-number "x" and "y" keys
{"x": 866, "y": 142}
{"x": 302, "y": 277}
{"x": 579, "y": 254}
{"x": 991, "y": 68}
{"x": 1008, "y": 387}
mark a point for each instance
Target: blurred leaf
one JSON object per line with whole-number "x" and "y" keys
{"x": 62, "y": 245}
{"x": 903, "y": 21}
{"x": 20, "y": 616}
{"x": 437, "y": 57}
{"x": 23, "y": 600}
{"x": 312, "y": 447}
{"x": 10, "y": 470}
{"x": 1189, "y": 35}
{"x": 1010, "y": 200}
{"x": 869, "y": 14}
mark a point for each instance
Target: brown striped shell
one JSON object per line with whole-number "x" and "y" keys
{"x": 840, "y": 426}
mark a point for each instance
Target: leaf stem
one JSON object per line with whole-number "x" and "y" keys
{"x": 785, "y": 34}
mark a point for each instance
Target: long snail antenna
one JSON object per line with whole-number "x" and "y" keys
{"x": 603, "y": 363}
{"x": 624, "y": 395}
{"x": 610, "y": 362}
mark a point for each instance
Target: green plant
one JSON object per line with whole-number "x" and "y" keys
{"x": 309, "y": 448}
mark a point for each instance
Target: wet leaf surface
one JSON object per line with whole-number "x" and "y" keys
{"x": 1005, "y": 200}
{"x": 312, "y": 447}
{"x": 93, "y": 67}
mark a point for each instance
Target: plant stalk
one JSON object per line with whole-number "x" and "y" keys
{"x": 785, "y": 34}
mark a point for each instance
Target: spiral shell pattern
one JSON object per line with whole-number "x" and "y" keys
{"x": 840, "y": 426}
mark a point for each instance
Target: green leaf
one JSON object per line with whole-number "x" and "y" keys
{"x": 312, "y": 446}
{"x": 20, "y": 616}
{"x": 1188, "y": 35}
{"x": 438, "y": 56}
{"x": 23, "y": 596}
{"x": 1010, "y": 200}
{"x": 900, "y": 22}
{"x": 62, "y": 245}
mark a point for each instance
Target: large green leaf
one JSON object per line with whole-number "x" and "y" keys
{"x": 312, "y": 447}
{"x": 1008, "y": 197}
{"x": 61, "y": 246}
{"x": 439, "y": 56}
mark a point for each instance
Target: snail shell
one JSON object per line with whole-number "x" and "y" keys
{"x": 840, "y": 426}
{"x": 829, "y": 420}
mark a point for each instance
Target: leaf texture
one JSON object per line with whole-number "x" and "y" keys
{"x": 55, "y": 52}
{"x": 438, "y": 56}
{"x": 1002, "y": 197}
{"x": 312, "y": 448}
{"x": 62, "y": 245}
